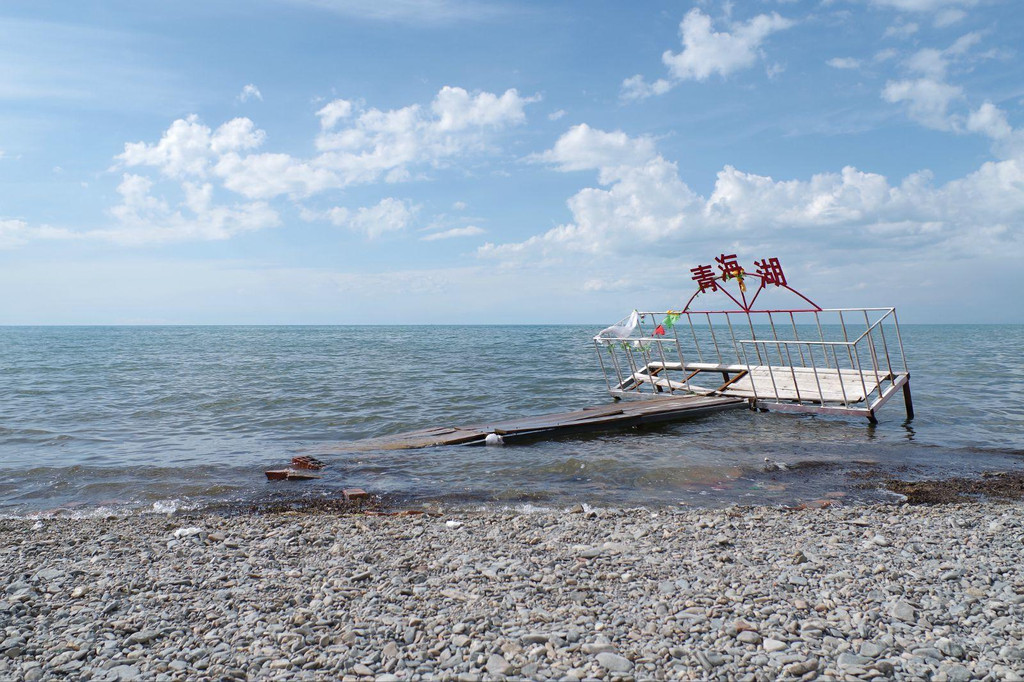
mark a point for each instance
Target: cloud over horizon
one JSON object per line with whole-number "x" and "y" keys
{"x": 707, "y": 52}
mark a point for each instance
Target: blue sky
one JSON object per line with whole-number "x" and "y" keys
{"x": 348, "y": 161}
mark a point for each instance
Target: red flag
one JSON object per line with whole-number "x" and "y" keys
{"x": 659, "y": 330}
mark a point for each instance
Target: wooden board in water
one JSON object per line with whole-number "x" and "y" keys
{"x": 602, "y": 417}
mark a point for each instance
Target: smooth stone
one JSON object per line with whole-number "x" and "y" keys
{"x": 591, "y": 648}
{"x": 884, "y": 667}
{"x": 1011, "y": 653}
{"x": 497, "y": 665}
{"x": 950, "y": 648}
{"x": 848, "y": 660}
{"x": 749, "y": 637}
{"x": 800, "y": 668}
{"x": 143, "y": 637}
{"x": 123, "y": 673}
{"x": 957, "y": 673}
{"x": 614, "y": 663}
{"x": 905, "y": 612}
{"x": 871, "y": 649}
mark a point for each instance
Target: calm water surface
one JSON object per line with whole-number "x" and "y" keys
{"x": 101, "y": 419}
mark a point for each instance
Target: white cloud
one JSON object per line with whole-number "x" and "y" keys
{"x": 644, "y": 209}
{"x": 188, "y": 147}
{"x": 964, "y": 43}
{"x": 375, "y": 145}
{"x": 902, "y": 29}
{"x": 604, "y": 285}
{"x": 707, "y": 52}
{"x": 249, "y": 92}
{"x": 929, "y": 97}
{"x": 991, "y": 121}
{"x": 457, "y": 110}
{"x": 928, "y": 62}
{"x": 468, "y": 231}
{"x": 948, "y": 17}
{"x": 333, "y": 112}
{"x": 586, "y": 148}
{"x": 636, "y": 87}
{"x": 267, "y": 175}
{"x": 388, "y": 215}
{"x": 14, "y": 232}
{"x": 142, "y": 218}
{"x": 236, "y": 135}
{"x": 844, "y": 63}
{"x": 555, "y": 115}
{"x": 927, "y": 100}
{"x": 460, "y": 205}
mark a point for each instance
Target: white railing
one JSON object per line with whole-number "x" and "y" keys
{"x": 843, "y": 360}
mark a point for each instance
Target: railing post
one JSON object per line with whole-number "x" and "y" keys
{"x": 604, "y": 372}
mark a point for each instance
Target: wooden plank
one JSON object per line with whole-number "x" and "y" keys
{"x": 804, "y": 384}
{"x": 835, "y": 386}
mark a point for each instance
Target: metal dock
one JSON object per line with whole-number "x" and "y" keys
{"x": 841, "y": 361}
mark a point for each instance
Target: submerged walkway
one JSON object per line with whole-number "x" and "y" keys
{"x": 603, "y": 417}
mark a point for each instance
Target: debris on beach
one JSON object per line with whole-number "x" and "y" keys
{"x": 307, "y": 462}
{"x": 995, "y": 485}
{"x": 298, "y": 471}
{"x": 354, "y": 494}
{"x": 290, "y": 475}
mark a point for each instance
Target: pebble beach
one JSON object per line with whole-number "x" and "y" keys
{"x": 873, "y": 592}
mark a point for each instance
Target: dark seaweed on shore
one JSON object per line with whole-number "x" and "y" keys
{"x": 992, "y": 485}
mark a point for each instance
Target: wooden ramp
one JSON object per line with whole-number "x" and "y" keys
{"x": 618, "y": 415}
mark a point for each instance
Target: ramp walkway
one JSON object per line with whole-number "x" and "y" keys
{"x": 598, "y": 418}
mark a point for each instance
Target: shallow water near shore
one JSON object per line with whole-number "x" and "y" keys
{"x": 96, "y": 420}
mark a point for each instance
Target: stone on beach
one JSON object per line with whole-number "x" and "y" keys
{"x": 614, "y": 663}
{"x": 742, "y": 594}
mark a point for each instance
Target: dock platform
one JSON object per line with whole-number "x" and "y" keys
{"x": 601, "y": 417}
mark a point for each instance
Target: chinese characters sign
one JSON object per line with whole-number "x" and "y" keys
{"x": 768, "y": 269}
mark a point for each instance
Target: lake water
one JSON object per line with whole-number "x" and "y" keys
{"x": 97, "y": 420}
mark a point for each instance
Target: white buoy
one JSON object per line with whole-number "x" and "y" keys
{"x": 494, "y": 439}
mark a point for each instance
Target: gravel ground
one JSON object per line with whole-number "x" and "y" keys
{"x": 838, "y": 593}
